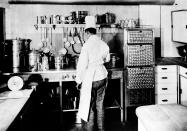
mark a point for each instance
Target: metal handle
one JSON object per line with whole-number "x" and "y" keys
{"x": 164, "y": 77}
{"x": 164, "y": 88}
{"x": 165, "y": 100}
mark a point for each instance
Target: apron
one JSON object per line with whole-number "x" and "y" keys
{"x": 85, "y": 94}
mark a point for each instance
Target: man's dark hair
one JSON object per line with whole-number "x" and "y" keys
{"x": 91, "y": 30}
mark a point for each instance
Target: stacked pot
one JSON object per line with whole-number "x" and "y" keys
{"x": 15, "y": 54}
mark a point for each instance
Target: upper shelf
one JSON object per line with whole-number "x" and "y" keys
{"x": 104, "y": 2}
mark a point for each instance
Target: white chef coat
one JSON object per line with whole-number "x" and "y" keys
{"x": 94, "y": 54}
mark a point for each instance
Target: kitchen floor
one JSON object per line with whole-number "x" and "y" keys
{"x": 51, "y": 122}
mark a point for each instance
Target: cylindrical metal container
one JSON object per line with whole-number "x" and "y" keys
{"x": 58, "y": 62}
{"x": 25, "y": 54}
{"x": 11, "y": 55}
{"x": 45, "y": 63}
{"x": 33, "y": 60}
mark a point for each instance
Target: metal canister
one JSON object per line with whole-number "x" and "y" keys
{"x": 45, "y": 63}
{"x": 33, "y": 58}
{"x": 58, "y": 62}
{"x": 16, "y": 45}
{"x": 16, "y": 55}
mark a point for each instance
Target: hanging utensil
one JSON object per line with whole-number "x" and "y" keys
{"x": 66, "y": 43}
{"x": 51, "y": 36}
{"x": 63, "y": 50}
{"x": 67, "y": 33}
{"x": 83, "y": 35}
{"x": 77, "y": 48}
{"x": 72, "y": 35}
{"x": 76, "y": 35}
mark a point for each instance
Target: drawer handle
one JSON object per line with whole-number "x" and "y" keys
{"x": 164, "y": 77}
{"x": 164, "y": 68}
{"x": 165, "y": 100}
{"x": 164, "y": 88}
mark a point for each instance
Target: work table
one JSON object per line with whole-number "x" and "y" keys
{"x": 9, "y": 114}
{"x": 10, "y": 108}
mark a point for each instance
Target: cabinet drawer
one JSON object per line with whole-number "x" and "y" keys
{"x": 166, "y": 88}
{"x": 183, "y": 71}
{"x": 166, "y": 78}
{"x": 166, "y": 68}
{"x": 166, "y": 99}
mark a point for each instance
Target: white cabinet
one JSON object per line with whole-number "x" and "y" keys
{"x": 179, "y": 25}
{"x": 183, "y": 85}
{"x": 166, "y": 84}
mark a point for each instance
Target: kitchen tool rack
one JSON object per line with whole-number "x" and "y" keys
{"x": 139, "y": 65}
{"x": 72, "y": 36}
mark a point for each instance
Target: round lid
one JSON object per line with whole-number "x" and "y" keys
{"x": 15, "y": 83}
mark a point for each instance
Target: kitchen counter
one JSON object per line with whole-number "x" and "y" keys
{"x": 10, "y": 106}
{"x": 171, "y": 61}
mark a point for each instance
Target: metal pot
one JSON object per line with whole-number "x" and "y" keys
{"x": 12, "y": 55}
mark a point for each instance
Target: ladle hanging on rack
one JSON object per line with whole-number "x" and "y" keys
{"x": 72, "y": 33}
{"x": 67, "y": 44}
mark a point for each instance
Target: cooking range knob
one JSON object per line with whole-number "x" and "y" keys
{"x": 73, "y": 76}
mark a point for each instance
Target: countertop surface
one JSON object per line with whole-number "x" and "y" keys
{"x": 171, "y": 61}
{"x": 10, "y": 106}
{"x": 55, "y": 71}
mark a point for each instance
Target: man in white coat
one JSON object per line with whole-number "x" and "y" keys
{"x": 92, "y": 75}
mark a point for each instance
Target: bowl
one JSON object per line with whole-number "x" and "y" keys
{"x": 182, "y": 50}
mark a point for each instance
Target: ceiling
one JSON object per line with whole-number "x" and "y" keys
{"x": 121, "y": 2}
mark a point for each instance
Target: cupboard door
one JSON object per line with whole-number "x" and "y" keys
{"x": 179, "y": 18}
{"x": 183, "y": 86}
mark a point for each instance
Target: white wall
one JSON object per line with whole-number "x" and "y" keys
{"x": 150, "y": 17}
{"x": 168, "y": 47}
{"x": 159, "y": 17}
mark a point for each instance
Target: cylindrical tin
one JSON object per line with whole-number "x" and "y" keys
{"x": 16, "y": 59}
{"x": 45, "y": 63}
{"x": 16, "y": 45}
{"x": 58, "y": 62}
{"x": 33, "y": 57}
{"x": 16, "y": 49}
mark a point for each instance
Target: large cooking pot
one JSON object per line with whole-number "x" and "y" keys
{"x": 12, "y": 55}
{"x": 15, "y": 54}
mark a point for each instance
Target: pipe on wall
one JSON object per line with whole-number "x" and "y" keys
{"x": 106, "y": 2}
